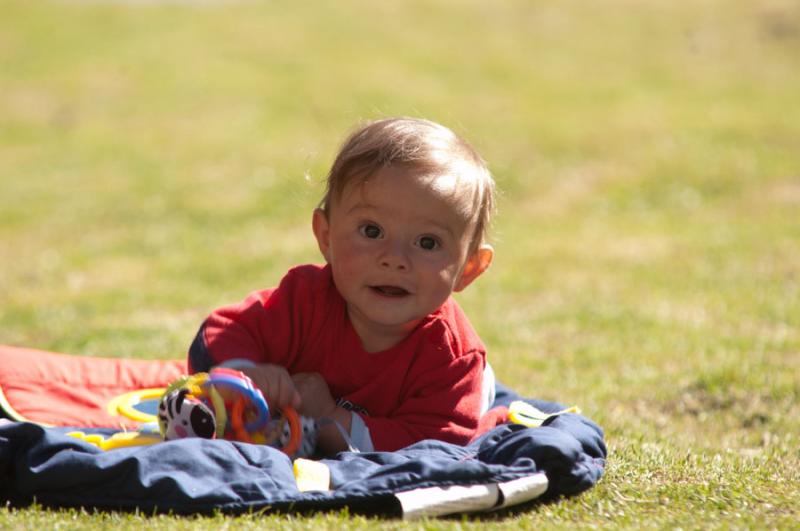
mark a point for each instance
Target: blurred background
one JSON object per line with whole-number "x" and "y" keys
{"x": 159, "y": 159}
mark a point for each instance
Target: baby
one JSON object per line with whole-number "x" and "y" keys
{"x": 373, "y": 340}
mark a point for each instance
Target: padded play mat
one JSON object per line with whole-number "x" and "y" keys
{"x": 45, "y": 397}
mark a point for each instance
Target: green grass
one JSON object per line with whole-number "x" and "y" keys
{"x": 160, "y": 159}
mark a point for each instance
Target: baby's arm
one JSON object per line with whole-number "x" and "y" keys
{"x": 248, "y": 337}
{"x": 269, "y": 326}
{"x": 235, "y": 332}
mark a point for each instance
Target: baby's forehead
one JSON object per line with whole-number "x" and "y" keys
{"x": 457, "y": 190}
{"x": 464, "y": 182}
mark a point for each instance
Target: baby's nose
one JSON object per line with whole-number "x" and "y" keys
{"x": 394, "y": 257}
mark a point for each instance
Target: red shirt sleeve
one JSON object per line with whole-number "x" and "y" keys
{"x": 269, "y": 326}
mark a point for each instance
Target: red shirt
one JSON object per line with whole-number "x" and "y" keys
{"x": 428, "y": 386}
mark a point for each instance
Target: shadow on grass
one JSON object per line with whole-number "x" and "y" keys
{"x": 379, "y": 508}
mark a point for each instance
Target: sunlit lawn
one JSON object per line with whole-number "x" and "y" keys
{"x": 158, "y": 159}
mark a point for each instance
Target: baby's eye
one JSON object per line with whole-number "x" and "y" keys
{"x": 429, "y": 243}
{"x": 371, "y": 231}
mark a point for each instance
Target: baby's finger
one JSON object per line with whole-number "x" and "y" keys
{"x": 296, "y": 400}
{"x": 286, "y": 391}
{"x": 290, "y": 395}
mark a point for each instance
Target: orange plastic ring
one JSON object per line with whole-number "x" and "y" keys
{"x": 295, "y": 432}
{"x": 237, "y": 421}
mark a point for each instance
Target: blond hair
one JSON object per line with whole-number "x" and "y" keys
{"x": 422, "y": 145}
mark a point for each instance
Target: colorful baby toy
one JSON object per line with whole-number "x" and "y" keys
{"x": 224, "y": 403}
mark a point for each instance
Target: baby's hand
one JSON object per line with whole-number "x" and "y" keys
{"x": 316, "y": 398}
{"x": 276, "y": 384}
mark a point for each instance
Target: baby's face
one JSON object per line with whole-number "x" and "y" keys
{"x": 397, "y": 245}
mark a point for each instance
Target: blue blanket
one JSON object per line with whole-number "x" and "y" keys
{"x": 510, "y": 464}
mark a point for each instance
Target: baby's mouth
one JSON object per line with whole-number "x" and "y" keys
{"x": 390, "y": 291}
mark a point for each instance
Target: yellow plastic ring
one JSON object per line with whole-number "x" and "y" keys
{"x": 124, "y": 405}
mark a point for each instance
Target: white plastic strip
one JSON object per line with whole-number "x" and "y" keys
{"x": 439, "y": 501}
{"x": 522, "y": 490}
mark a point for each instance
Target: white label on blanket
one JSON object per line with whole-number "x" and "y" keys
{"x": 438, "y": 501}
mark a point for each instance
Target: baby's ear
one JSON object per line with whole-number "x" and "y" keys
{"x": 476, "y": 264}
{"x": 322, "y": 231}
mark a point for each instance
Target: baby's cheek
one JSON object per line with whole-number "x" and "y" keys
{"x": 359, "y": 246}
{"x": 352, "y": 261}
{"x": 445, "y": 269}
